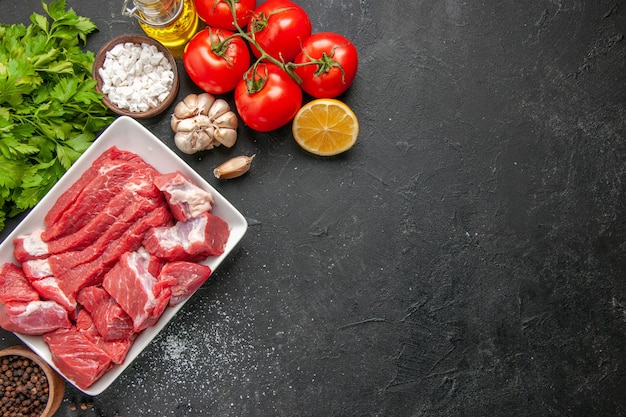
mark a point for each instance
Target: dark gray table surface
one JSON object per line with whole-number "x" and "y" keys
{"x": 465, "y": 258}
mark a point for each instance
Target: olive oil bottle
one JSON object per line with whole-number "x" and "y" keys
{"x": 171, "y": 22}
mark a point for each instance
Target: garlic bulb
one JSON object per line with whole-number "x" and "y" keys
{"x": 202, "y": 122}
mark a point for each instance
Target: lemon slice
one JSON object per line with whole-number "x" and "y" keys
{"x": 325, "y": 127}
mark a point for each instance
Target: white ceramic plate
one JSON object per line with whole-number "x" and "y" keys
{"x": 127, "y": 134}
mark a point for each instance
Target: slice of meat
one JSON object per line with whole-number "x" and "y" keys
{"x": 189, "y": 276}
{"x": 33, "y": 318}
{"x": 48, "y": 288}
{"x": 27, "y": 247}
{"x": 135, "y": 208}
{"x": 77, "y": 357}
{"x": 136, "y": 197}
{"x": 92, "y": 273}
{"x": 35, "y": 269}
{"x": 133, "y": 284}
{"x": 69, "y": 196}
{"x": 193, "y": 240}
{"x": 97, "y": 194}
{"x": 116, "y": 350}
{"x": 110, "y": 320}
{"x": 186, "y": 199}
{"x": 14, "y": 286}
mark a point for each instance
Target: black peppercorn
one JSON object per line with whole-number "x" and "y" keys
{"x": 23, "y": 387}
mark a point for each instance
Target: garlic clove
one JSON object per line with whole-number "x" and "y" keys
{"x": 225, "y": 136}
{"x": 183, "y": 141}
{"x": 174, "y": 121}
{"x": 187, "y": 107}
{"x": 204, "y": 140}
{"x": 199, "y": 122}
{"x": 204, "y": 103}
{"x": 234, "y": 167}
{"x": 194, "y": 141}
{"x": 191, "y": 101}
{"x": 218, "y": 108}
{"x": 228, "y": 120}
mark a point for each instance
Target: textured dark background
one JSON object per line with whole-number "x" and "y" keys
{"x": 465, "y": 258}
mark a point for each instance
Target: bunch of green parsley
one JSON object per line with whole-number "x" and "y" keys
{"x": 50, "y": 111}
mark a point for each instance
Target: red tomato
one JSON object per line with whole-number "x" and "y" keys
{"x": 336, "y": 67}
{"x": 267, "y": 97}
{"x": 280, "y": 27}
{"x": 216, "y": 66}
{"x": 217, "y": 13}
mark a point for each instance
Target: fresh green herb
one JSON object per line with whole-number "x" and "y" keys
{"x": 50, "y": 111}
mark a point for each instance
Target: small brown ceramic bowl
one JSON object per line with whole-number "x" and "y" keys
{"x": 137, "y": 39}
{"x": 55, "y": 383}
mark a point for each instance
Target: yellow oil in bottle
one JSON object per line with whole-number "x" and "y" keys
{"x": 171, "y": 22}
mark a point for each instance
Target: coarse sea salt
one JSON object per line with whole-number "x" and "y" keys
{"x": 136, "y": 77}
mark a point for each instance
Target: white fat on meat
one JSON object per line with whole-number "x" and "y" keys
{"x": 38, "y": 317}
{"x": 111, "y": 166}
{"x": 196, "y": 200}
{"x": 183, "y": 234}
{"x": 33, "y": 245}
{"x": 185, "y": 198}
{"x": 138, "y": 262}
{"x": 37, "y": 269}
{"x": 42, "y": 313}
{"x": 137, "y": 184}
{"x": 138, "y": 292}
{"x": 49, "y": 289}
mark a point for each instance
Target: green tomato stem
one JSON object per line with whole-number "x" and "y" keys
{"x": 324, "y": 64}
{"x": 249, "y": 37}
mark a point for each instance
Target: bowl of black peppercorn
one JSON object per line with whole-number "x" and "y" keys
{"x": 28, "y": 385}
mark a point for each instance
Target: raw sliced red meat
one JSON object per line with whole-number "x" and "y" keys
{"x": 189, "y": 276}
{"x": 69, "y": 196}
{"x": 92, "y": 200}
{"x": 88, "y": 264}
{"x": 137, "y": 197}
{"x": 92, "y": 273}
{"x": 110, "y": 320}
{"x": 27, "y": 247}
{"x": 116, "y": 350}
{"x": 77, "y": 357}
{"x": 133, "y": 284}
{"x": 134, "y": 209}
{"x": 14, "y": 286}
{"x": 186, "y": 199}
{"x": 34, "y": 317}
{"x": 193, "y": 240}
{"x": 48, "y": 288}
{"x": 35, "y": 269}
